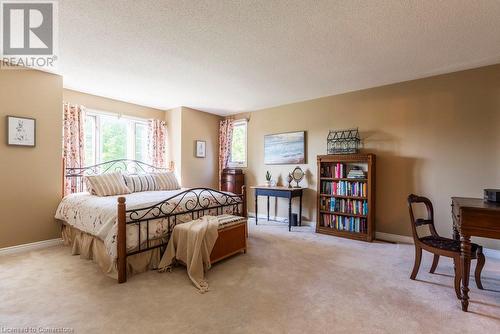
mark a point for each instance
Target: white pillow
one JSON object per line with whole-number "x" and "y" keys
{"x": 166, "y": 181}
{"x": 108, "y": 184}
{"x": 141, "y": 182}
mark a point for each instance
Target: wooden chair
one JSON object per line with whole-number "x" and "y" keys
{"x": 440, "y": 246}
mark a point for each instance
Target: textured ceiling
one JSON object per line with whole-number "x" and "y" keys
{"x": 230, "y": 56}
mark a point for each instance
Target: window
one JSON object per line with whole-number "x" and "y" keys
{"x": 239, "y": 144}
{"x": 109, "y": 137}
{"x": 141, "y": 141}
{"x": 90, "y": 140}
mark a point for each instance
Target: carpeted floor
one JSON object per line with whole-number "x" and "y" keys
{"x": 297, "y": 282}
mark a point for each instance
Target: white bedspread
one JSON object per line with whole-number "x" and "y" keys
{"x": 98, "y": 215}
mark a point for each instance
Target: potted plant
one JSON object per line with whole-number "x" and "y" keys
{"x": 268, "y": 178}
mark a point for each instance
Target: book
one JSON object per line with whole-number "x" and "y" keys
{"x": 344, "y": 188}
{"x": 342, "y": 223}
{"x": 341, "y": 205}
{"x": 356, "y": 173}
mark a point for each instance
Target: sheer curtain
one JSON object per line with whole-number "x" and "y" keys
{"x": 225, "y": 138}
{"x": 157, "y": 136}
{"x": 73, "y": 140}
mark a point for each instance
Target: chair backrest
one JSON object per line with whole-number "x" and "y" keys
{"x": 416, "y": 222}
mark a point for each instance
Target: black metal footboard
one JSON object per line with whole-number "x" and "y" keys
{"x": 192, "y": 203}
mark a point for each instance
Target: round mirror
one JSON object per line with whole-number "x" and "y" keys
{"x": 298, "y": 175}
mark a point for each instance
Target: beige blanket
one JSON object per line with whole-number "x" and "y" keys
{"x": 192, "y": 244}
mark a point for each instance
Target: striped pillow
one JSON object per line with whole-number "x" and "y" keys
{"x": 166, "y": 181}
{"x": 143, "y": 182}
{"x": 108, "y": 184}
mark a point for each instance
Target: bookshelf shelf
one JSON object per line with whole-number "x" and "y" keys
{"x": 342, "y": 213}
{"x": 343, "y": 179}
{"x": 346, "y": 196}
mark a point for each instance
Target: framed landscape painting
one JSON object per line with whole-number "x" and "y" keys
{"x": 21, "y": 131}
{"x": 285, "y": 148}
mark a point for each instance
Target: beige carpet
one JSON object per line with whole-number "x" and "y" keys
{"x": 297, "y": 282}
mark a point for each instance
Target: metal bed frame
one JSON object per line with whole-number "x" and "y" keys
{"x": 196, "y": 202}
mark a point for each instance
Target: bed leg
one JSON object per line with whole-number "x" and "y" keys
{"x": 121, "y": 241}
{"x": 244, "y": 207}
{"x": 244, "y": 200}
{"x": 63, "y": 192}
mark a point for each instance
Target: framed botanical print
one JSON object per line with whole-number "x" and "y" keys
{"x": 201, "y": 149}
{"x": 21, "y": 131}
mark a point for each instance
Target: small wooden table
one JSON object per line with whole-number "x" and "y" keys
{"x": 283, "y": 192}
{"x": 472, "y": 217}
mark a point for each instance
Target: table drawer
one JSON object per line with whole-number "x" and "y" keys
{"x": 273, "y": 193}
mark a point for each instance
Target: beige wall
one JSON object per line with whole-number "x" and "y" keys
{"x": 110, "y": 105}
{"x": 197, "y": 125}
{"x": 30, "y": 177}
{"x": 438, "y": 136}
{"x": 185, "y": 126}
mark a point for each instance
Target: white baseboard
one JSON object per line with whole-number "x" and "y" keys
{"x": 278, "y": 218}
{"x": 31, "y": 246}
{"x": 264, "y": 217}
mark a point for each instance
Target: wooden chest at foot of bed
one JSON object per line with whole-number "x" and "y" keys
{"x": 232, "y": 239}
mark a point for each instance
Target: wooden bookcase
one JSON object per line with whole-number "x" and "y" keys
{"x": 346, "y": 206}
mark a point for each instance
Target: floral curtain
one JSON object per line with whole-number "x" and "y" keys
{"x": 225, "y": 138}
{"x": 157, "y": 142}
{"x": 73, "y": 140}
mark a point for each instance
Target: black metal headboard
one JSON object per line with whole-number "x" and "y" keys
{"x": 73, "y": 176}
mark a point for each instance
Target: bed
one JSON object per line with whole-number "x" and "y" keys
{"x": 127, "y": 234}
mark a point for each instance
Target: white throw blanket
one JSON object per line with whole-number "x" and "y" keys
{"x": 192, "y": 243}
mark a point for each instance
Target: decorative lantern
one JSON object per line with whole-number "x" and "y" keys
{"x": 343, "y": 141}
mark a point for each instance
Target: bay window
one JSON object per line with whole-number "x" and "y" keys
{"x": 110, "y": 137}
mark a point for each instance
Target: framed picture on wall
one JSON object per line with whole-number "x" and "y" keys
{"x": 21, "y": 131}
{"x": 285, "y": 148}
{"x": 201, "y": 149}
